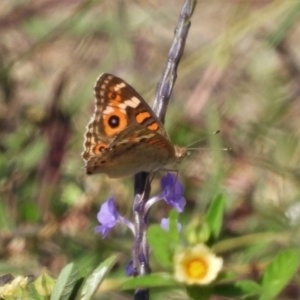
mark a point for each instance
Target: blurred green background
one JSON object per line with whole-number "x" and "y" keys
{"x": 240, "y": 73}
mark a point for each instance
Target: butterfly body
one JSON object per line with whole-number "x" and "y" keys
{"x": 124, "y": 136}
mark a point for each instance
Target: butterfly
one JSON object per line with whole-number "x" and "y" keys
{"x": 124, "y": 136}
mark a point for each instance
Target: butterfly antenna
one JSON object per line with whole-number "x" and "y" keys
{"x": 223, "y": 149}
{"x": 193, "y": 143}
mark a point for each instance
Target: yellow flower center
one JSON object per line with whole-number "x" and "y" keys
{"x": 196, "y": 268}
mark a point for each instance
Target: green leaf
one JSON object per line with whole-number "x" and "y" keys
{"x": 38, "y": 27}
{"x": 31, "y": 154}
{"x": 164, "y": 242}
{"x": 285, "y": 25}
{"x": 44, "y": 284}
{"x": 214, "y": 215}
{"x": 32, "y": 292}
{"x": 65, "y": 283}
{"x": 159, "y": 242}
{"x": 94, "y": 280}
{"x": 152, "y": 280}
{"x": 198, "y": 292}
{"x": 242, "y": 288}
{"x": 279, "y": 273}
{"x": 173, "y": 230}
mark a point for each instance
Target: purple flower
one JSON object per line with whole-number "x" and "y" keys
{"x": 129, "y": 269}
{"x": 172, "y": 192}
{"x": 164, "y": 224}
{"x": 109, "y": 217}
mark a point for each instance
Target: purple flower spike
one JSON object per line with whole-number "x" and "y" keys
{"x": 164, "y": 224}
{"x": 107, "y": 216}
{"x": 172, "y": 192}
{"x": 129, "y": 269}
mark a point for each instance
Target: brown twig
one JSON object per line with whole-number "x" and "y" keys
{"x": 142, "y": 185}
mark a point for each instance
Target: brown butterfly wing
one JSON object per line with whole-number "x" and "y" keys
{"x": 118, "y": 106}
{"x": 135, "y": 149}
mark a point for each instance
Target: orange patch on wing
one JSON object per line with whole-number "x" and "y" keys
{"x": 110, "y": 131}
{"x": 132, "y": 139}
{"x": 161, "y": 144}
{"x": 141, "y": 117}
{"x": 113, "y": 103}
{"x": 117, "y": 97}
{"x": 154, "y": 141}
{"x": 153, "y": 126}
{"x": 99, "y": 148}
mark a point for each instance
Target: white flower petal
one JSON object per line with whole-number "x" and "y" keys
{"x": 187, "y": 260}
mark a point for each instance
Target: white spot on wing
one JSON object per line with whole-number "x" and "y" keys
{"x": 147, "y": 136}
{"x": 119, "y": 86}
{"x": 122, "y": 105}
{"x": 133, "y": 102}
{"x": 108, "y": 110}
